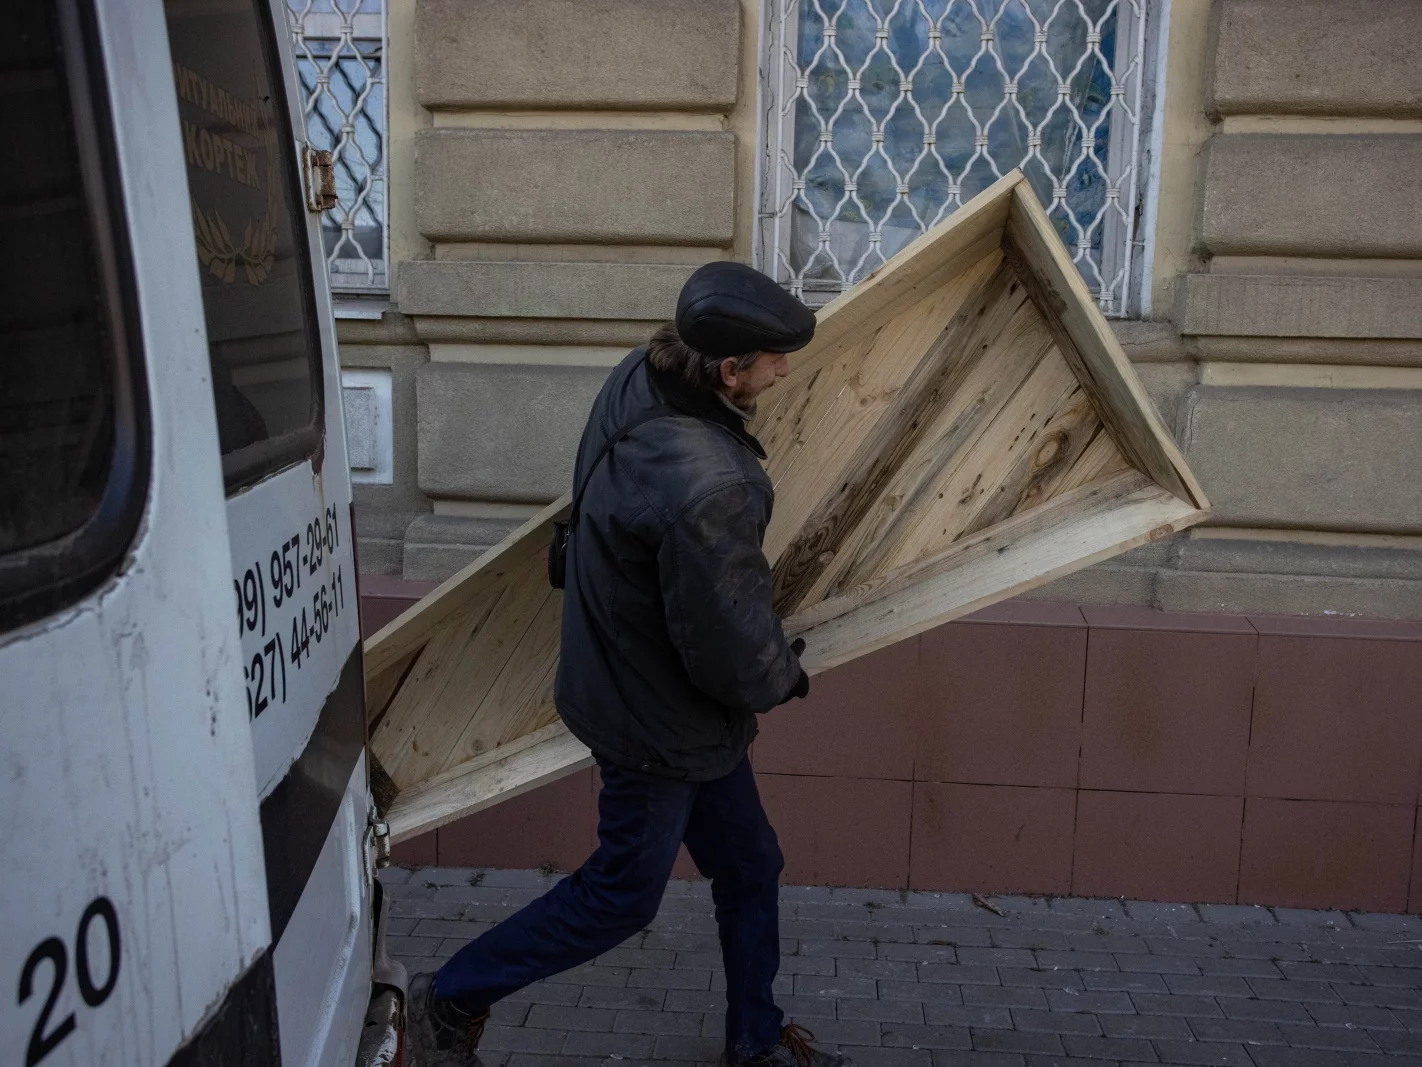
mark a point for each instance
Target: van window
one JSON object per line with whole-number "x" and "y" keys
{"x": 73, "y": 452}
{"x": 249, "y": 223}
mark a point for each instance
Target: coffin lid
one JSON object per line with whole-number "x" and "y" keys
{"x": 964, "y": 427}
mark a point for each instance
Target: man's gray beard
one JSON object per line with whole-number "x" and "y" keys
{"x": 746, "y": 413}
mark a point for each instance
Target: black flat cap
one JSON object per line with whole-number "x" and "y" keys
{"x": 728, "y": 309}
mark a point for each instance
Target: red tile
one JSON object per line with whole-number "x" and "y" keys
{"x": 1335, "y": 626}
{"x": 419, "y": 851}
{"x": 1128, "y": 617}
{"x": 553, "y": 824}
{"x": 840, "y": 831}
{"x": 1167, "y": 712}
{"x": 1414, "y": 898}
{"x": 1320, "y": 854}
{"x": 1157, "y": 846}
{"x": 1000, "y": 704}
{"x": 378, "y": 611}
{"x": 1336, "y": 719}
{"x": 991, "y": 838}
{"x": 855, "y": 723}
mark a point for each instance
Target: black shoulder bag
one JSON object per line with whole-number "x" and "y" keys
{"x": 562, "y": 531}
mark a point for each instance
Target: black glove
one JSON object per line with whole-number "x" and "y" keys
{"x": 801, "y": 688}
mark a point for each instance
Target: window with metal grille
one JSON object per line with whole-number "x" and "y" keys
{"x": 882, "y": 117}
{"x": 340, "y": 59}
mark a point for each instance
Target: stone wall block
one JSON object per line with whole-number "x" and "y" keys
{"x": 1327, "y": 459}
{"x": 1312, "y": 194}
{"x": 1317, "y": 57}
{"x": 502, "y": 432}
{"x": 541, "y": 290}
{"x": 631, "y": 186}
{"x": 657, "y": 54}
{"x": 1264, "y": 305}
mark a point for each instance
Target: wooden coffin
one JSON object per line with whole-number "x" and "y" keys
{"x": 963, "y": 428}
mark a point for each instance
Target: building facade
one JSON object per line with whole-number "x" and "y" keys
{"x": 1234, "y": 714}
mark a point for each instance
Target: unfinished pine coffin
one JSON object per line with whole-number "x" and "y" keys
{"x": 964, "y": 427}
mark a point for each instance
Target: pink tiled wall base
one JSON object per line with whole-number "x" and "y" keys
{"x": 1095, "y": 751}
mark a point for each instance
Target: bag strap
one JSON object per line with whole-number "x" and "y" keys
{"x": 661, "y": 411}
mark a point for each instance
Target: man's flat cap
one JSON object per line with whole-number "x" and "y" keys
{"x": 728, "y": 309}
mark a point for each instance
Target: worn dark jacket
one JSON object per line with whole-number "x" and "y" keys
{"x": 670, "y": 645}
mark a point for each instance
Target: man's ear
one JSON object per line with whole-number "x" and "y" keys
{"x": 730, "y": 368}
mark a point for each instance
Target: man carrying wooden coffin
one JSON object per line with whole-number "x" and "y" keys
{"x": 670, "y": 649}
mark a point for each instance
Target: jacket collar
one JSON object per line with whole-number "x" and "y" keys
{"x": 702, "y": 404}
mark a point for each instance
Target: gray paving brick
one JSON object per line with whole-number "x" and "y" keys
{"x": 1077, "y": 961}
{"x": 1403, "y": 925}
{"x": 935, "y": 992}
{"x": 1408, "y": 977}
{"x": 1089, "y": 907}
{"x": 1340, "y": 1037}
{"x": 1112, "y": 981}
{"x": 1116, "y": 1003}
{"x": 698, "y": 961}
{"x": 803, "y": 894}
{"x": 976, "y": 1058}
{"x": 410, "y": 891}
{"x": 594, "y": 996}
{"x": 508, "y": 1013}
{"x": 873, "y": 931}
{"x": 1411, "y": 1018}
{"x": 680, "y": 941}
{"x": 1312, "y": 917}
{"x": 1065, "y": 1061}
{"x": 1216, "y": 1053}
{"x": 1292, "y": 989}
{"x": 1322, "y": 972}
{"x": 562, "y": 994}
{"x": 677, "y": 1047}
{"x": 1016, "y": 1041}
{"x": 1390, "y": 1040}
{"x": 413, "y": 946}
{"x": 632, "y": 1021}
{"x": 1155, "y": 964}
{"x": 621, "y": 1046}
{"x": 896, "y": 970}
{"x": 1262, "y": 950}
{"x": 883, "y": 1011}
{"x": 957, "y": 973}
{"x": 862, "y": 950}
{"x": 917, "y": 953}
{"x": 1196, "y": 948}
{"x": 955, "y": 935}
{"x": 992, "y": 957}
{"x": 846, "y": 1031}
{"x": 1274, "y": 1011}
{"x": 694, "y": 1000}
{"x": 888, "y": 1057}
{"x": 1355, "y": 1015}
{"x": 1032, "y": 976}
{"x": 401, "y": 927}
{"x": 1152, "y": 911}
{"x": 798, "y": 964}
{"x": 1241, "y": 968}
{"x": 521, "y": 1039}
{"x": 1277, "y": 1056}
{"x": 1249, "y": 1031}
{"x": 389, "y": 876}
{"x": 1172, "y": 1004}
{"x": 591, "y": 974}
{"x": 1056, "y": 1022}
{"x": 530, "y": 1059}
{"x": 666, "y": 978}
{"x": 1146, "y": 1026}
{"x": 1236, "y": 914}
{"x": 1209, "y": 985}
{"x": 816, "y": 985}
{"x": 1107, "y": 942}
{"x": 975, "y": 1016}
{"x": 1109, "y": 1048}
{"x": 1029, "y": 937}
{"x": 924, "y": 1036}
{"x": 630, "y": 956}
{"x": 997, "y": 996}
{"x": 557, "y": 1017}
{"x": 713, "y": 1025}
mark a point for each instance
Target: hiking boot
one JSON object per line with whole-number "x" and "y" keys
{"x": 794, "y": 1050}
{"x": 437, "y": 1033}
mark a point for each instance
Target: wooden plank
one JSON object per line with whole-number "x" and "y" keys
{"x": 1064, "y": 535}
{"x": 411, "y": 630}
{"x": 458, "y": 668}
{"x": 498, "y": 775}
{"x": 1089, "y": 345}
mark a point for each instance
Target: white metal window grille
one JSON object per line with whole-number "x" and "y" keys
{"x": 884, "y": 116}
{"x": 340, "y": 59}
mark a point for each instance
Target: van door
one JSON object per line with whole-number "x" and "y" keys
{"x": 276, "y": 389}
{"x": 135, "y": 909}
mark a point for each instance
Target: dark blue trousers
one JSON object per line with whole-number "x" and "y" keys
{"x": 642, "y": 820}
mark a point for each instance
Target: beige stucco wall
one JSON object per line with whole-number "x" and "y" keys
{"x": 558, "y": 167}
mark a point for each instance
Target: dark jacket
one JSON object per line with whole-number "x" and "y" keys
{"x": 670, "y": 646}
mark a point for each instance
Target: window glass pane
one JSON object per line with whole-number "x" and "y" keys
{"x": 249, "y": 223}
{"x": 56, "y": 360}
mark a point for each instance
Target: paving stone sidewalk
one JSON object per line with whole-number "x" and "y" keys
{"x": 909, "y": 979}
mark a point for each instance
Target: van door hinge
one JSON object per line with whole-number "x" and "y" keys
{"x": 318, "y": 172}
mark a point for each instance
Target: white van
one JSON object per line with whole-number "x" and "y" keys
{"x": 189, "y": 866}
